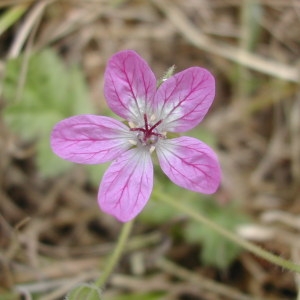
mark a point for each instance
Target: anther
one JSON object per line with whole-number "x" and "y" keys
{"x": 133, "y": 142}
{"x": 131, "y": 124}
{"x": 152, "y": 118}
{"x": 152, "y": 148}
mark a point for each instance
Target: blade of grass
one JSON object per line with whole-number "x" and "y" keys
{"x": 32, "y": 18}
{"x": 250, "y": 12}
{"x": 11, "y": 16}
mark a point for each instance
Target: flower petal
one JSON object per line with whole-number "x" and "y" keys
{"x": 127, "y": 184}
{"x": 129, "y": 85}
{"x": 185, "y": 98}
{"x": 90, "y": 139}
{"x": 190, "y": 164}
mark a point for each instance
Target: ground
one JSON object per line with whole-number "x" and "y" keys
{"x": 53, "y": 235}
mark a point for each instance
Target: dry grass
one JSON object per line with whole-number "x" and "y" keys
{"x": 52, "y": 233}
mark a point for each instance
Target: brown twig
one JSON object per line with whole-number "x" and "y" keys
{"x": 235, "y": 54}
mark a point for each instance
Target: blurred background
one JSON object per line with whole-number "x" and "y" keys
{"x": 53, "y": 236}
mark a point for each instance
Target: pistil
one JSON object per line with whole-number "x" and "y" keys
{"x": 148, "y": 132}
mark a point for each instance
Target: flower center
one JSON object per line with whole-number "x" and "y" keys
{"x": 148, "y": 134}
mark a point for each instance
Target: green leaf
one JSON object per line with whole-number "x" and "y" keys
{"x": 144, "y": 296}
{"x": 204, "y": 135}
{"x": 49, "y": 163}
{"x": 78, "y": 92}
{"x": 30, "y": 122}
{"x": 96, "y": 172}
{"x": 50, "y": 93}
{"x": 216, "y": 249}
{"x": 86, "y": 292}
{"x": 156, "y": 213}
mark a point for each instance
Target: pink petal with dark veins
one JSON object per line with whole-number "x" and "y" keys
{"x": 183, "y": 100}
{"x": 127, "y": 184}
{"x": 190, "y": 164}
{"x": 129, "y": 85}
{"x": 89, "y": 139}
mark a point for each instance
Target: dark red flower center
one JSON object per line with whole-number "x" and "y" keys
{"x": 148, "y": 134}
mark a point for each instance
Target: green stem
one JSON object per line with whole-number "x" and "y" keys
{"x": 115, "y": 257}
{"x": 229, "y": 235}
{"x": 11, "y": 16}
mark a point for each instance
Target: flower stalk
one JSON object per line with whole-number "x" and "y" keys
{"x": 258, "y": 251}
{"x": 116, "y": 255}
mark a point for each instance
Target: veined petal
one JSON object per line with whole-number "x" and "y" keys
{"x": 90, "y": 139}
{"x": 127, "y": 184}
{"x": 190, "y": 164}
{"x": 184, "y": 99}
{"x": 129, "y": 85}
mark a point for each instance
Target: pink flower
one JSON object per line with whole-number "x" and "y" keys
{"x": 178, "y": 105}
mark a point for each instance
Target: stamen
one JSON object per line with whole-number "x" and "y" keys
{"x": 147, "y": 134}
{"x": 133, "y": 142}
{"x": 131, "y": 124}
{"x": 152, "y": 118}
{"x": 152, "y": 148}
